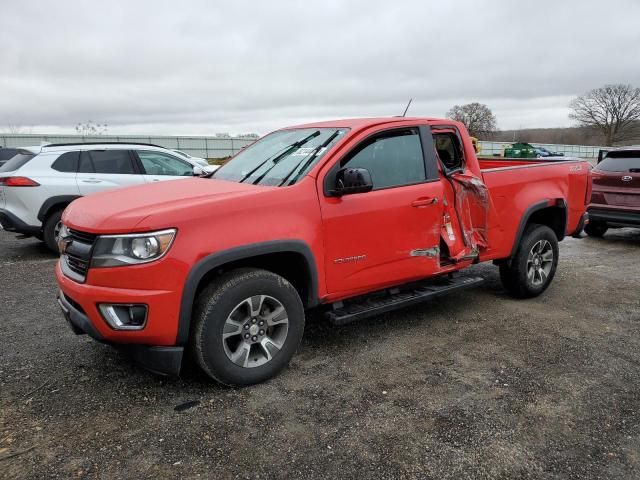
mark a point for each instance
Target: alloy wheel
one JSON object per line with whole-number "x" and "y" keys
{"x": 255, "y": 331}
{"x": 539, "y": 262}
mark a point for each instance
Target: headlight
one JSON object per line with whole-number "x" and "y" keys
{"x": 133, "y": 249}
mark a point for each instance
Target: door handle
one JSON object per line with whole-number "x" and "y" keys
{"x": 91, "y": 180}
{"x": 424, "y": 202}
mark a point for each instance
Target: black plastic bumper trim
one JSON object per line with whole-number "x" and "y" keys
{"x": 11, "y": 223}
{"x": 157, "y": 359}
{"x": 583, "y": 221}
{"x": 613, "y": 216}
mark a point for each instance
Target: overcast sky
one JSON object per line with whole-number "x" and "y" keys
{"x": 247, "y": 66}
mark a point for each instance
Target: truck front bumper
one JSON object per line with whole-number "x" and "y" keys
{"x": 79, "y": 305}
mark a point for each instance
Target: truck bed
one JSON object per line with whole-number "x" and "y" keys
{"x": 491, "y": 163}
{"x": 555, "y": 182}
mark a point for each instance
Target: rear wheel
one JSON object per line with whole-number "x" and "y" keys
{"x": 247, "y": 325}
{"x": 51, "y": 230}
{"x": 596, "y": 229}
{"x": 534, "y": 265}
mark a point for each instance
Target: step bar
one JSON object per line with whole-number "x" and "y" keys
{"x": 395, "y": 298}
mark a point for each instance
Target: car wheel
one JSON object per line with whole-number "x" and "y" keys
{"x": 596, "y": 229}
{"x": 51, "y": 230}
{"x": 248, "y": 323}
{"x": 533, "y": 267}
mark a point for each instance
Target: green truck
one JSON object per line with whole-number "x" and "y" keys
{"x": 520, "y": 150}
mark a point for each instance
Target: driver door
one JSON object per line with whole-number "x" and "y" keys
{"x": 391, "y": 234}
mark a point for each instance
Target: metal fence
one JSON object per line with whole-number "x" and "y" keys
{"x": 205, "y": 147}
{"x": 582, "y": 151}
{"x": 223, "y": 146}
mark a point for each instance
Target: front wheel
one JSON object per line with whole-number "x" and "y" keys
{"x": 248, "y": 323}
{"x": 533, "y": 267}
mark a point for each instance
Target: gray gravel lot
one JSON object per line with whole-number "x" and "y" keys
{"x": 475, "y": 385}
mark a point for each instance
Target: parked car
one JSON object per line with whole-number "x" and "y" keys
{"x": 356, "y": 217}
{"x": 542, "y": 152}
{"x": 7, "y": 154}
{"x": 526, "y": 150}
{"x": 198, "y": 160}
{"x": 38, "y": 183}
{"x": 206, "y": 166}
{"x": 615, "y": 199}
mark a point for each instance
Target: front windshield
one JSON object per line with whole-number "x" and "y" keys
{"x": 281, "y": 158}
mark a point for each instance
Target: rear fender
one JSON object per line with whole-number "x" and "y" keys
{"x": 552, "y": 213}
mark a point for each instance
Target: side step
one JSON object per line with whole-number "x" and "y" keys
{"x": 395, "y": 298}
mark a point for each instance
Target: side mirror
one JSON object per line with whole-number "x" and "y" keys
{"x": 352, "y": 180}
{"x": 197, "y": 171}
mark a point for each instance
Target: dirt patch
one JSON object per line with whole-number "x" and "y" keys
{"x": 472, "y": 386}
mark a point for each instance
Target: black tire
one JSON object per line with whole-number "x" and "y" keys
{"x": 226, "y": 296}
{"x": 516, "y": 276}
{"x": 49, "y": 231}
{"x": 596, "y": 229}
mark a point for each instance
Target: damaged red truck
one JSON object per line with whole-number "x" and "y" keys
{"x": 353, "y": 217}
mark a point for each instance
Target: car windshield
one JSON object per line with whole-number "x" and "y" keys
{"x": 281, "y": 158}
{"x": 620, "y": 162}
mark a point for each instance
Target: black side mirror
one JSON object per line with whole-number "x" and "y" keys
{"x": 352, "y": 180}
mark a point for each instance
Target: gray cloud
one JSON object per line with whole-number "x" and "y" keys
{"x": 201, "y": 67}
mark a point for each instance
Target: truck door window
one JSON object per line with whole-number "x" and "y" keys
{"x": 449, "y": 150}
{"x": 393, "y": 159}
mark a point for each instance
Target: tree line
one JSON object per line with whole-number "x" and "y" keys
{"x": 608, "y": 115}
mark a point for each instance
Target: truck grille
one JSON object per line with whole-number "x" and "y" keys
{"x": 82, "y": 236}
{"x": 77, "y": 256}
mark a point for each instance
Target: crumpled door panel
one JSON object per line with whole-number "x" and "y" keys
{"x": 472, "y": 205}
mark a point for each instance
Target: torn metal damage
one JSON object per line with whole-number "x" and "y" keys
{"x": 425, "y": 252}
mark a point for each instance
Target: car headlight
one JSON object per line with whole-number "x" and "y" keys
{"x": 133, "y": 249}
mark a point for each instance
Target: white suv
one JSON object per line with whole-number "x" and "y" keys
{"x": 39, "y": 182}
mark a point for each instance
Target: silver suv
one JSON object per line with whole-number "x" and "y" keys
{"x": 39, "y": 182}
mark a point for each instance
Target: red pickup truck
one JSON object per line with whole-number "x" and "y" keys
{"x": 355, "y": 217}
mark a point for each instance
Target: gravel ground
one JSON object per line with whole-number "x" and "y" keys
{"x": 475, "y": 385}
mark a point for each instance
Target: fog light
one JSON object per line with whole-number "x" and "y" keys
{"x": 124, "y": 317}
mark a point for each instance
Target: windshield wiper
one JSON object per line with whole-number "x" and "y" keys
{"x": 314, "y": 154}
{"x": 278, "y": 157}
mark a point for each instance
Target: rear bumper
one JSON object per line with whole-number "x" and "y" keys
{"x": 12, "y": 223}
{"x": 616, "y": 217}
{"x": 158, "y": 359}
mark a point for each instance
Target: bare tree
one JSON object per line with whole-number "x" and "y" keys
{"x": 613, "y": 109}
{"x": 16, "y": 129}
{"x": 90, "y": 128}
{"x": 477, "y": 117}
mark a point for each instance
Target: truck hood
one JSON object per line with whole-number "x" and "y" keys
{"x": 123, "y": 210}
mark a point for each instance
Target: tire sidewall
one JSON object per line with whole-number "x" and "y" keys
{"x": 49, "y": 228}
{"x": 533, "y": 236}
{"x": 218, "y": 308}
